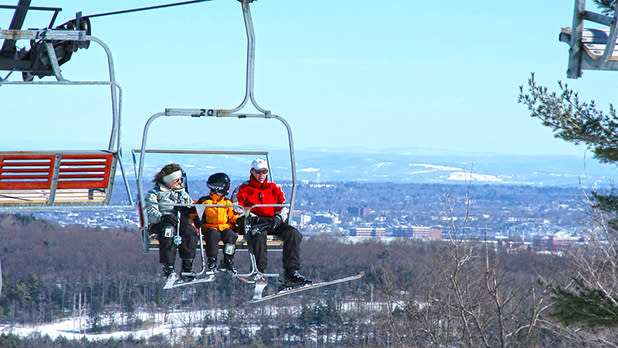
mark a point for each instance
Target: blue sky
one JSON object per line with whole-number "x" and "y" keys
{"x": 346, "y": 75}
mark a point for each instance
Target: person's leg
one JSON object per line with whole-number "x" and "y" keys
{"x": 167, "y": 250}
{"x": 291, "y": 256}
{"x": 229, "y": 238}
{"x": 258, "y": 244}
{"x": 291, "y": 238}
{"x": 212, "y": 237}
{"x": 186, "y": 249}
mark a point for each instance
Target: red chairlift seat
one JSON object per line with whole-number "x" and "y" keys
{"x": 56, "y": 178}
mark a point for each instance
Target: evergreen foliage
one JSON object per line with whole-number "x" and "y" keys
{"x": 587, "y": 304}
{"x": 574, "y": 120}
{"x": 589, "y": 307}
{"x": 606, "y": 6}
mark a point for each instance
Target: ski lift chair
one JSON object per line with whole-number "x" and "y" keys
{"x": 65, "y": 178}
{"x": 209, "y": 113}
{"x": 590, "y": 48}
{"x": 150, "y": 241}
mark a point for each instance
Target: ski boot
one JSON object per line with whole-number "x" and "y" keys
{"x": 211, "y": 264}
{"x": 187, "y": 274}
{"x": 293, "y": 279}
{"x": 227, "y": 265}
{"x": 168, "y": 270}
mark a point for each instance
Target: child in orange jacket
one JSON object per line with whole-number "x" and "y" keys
{"x": 217, "y": 224}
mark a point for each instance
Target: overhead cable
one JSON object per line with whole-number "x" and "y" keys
{"x": 145, "y": 8}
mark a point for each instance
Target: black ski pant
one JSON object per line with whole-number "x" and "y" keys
{"x": 213, "y": 236}
{"x": 291, "y": 238}
{"x": 167, "y": 248}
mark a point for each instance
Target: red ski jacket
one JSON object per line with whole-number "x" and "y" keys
{"x": 251, "y": 192}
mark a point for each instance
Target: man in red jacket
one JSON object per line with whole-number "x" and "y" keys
{"x": 270, "y": 220}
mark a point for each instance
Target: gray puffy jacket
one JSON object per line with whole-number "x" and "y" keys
{"x": 160, "y": 200}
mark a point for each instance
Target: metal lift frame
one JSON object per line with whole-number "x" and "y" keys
{"x": 578, "y": 59}
{"x": 206, "y": 113}
{"x": 114, "y": 147}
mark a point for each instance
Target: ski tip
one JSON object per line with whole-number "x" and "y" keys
{"x": 175, "y": 283}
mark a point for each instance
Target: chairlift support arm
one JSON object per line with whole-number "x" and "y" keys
{"x": 250, "y": 71}
{"x": 578, "y": 59}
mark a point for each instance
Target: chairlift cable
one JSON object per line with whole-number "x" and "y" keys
{"x": 145, "y": 8}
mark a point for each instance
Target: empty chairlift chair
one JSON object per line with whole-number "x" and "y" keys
{"x": 63, "y": 179}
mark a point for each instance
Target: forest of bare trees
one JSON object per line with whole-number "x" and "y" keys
{"x": 415, "y": 293}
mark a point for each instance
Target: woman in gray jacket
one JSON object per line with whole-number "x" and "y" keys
{"x": 163, "y": 220}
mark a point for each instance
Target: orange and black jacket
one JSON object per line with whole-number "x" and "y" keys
{"x": 218, "y": 218}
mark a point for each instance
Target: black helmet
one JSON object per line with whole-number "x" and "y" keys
{"x": 219, "y": 183}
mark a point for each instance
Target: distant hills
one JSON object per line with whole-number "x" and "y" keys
{"x": 401, "y": 166}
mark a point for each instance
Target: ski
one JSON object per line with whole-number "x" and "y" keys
{"x": 257, "y": 296}
{"x": 250, "y": 278}
{"x": 173, "y": 281}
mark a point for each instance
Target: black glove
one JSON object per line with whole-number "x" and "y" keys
{"x": 258, "y": 224}
{"x": 239, "y": 225}
{"x": 197, "y": 222}
{"x": 253, "y": 220}
{"x": 276, "y": 221}
{"x": 169, "y": 219}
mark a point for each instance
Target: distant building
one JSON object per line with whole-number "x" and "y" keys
{"x": 304, "y": 220}
{"x": 325, "y": 218}
{"x": 557, "y": 240}
{"x": 560, "y": 239}
{"x": 419, "y": 232}
{"x": 361, "y": 212}
{"x": 367, "y": 232}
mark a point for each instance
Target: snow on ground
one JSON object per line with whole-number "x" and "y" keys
{"x": 170, "y": 325}
{"x": 167, "y": 324}
{"x": 464, "y": 176}
{"x": 434, "y": 166}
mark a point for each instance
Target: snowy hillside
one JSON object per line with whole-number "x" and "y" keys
{"x": 403, "y": 167}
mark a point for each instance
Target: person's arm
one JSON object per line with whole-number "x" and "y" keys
{"x": 241, "y": 196}
{"x": 152, "y": 207}
{"x": 281, "y": 213}
{"x": 190, "y": 212}
{"x": 278, "y": 194}
{"x": 232, "y": 217}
